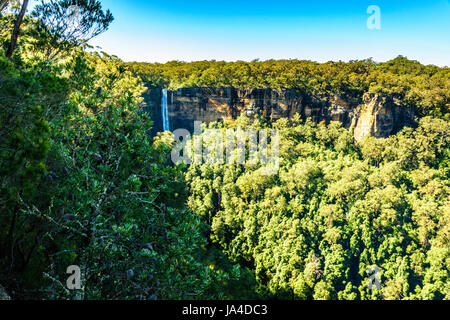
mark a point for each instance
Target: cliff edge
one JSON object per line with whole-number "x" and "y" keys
{"x": 373, "y": 114}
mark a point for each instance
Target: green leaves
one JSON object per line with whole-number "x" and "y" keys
{"x": 333, "y": 210}
{"x": 66, "y": 24}
{"x": 83, "y": 184}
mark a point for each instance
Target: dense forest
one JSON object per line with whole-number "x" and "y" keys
{"x": 334, "y": 210}
{"x": 83, "y": 183}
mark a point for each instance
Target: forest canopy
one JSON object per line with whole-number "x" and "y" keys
{"x": 334, "y": 210}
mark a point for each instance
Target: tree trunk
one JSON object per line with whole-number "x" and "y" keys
{"x": 3, "y": 4}
{"x": 16, "y": 30}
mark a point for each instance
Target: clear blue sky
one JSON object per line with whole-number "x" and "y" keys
{"x": 319, "y": 30}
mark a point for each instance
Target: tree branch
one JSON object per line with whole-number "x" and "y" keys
{"x": 3, "y": 4}
{"x": 16, "y": 30}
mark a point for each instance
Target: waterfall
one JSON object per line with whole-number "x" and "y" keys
{"x": 165, "y": 111}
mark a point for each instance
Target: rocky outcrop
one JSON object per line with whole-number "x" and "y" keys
{"x": 152, "y": 106}
{"x": 380, "y": 116}
{"x": 377, "y": 115}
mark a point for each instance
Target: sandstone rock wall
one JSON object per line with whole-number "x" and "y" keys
{"x": 378, "y": 115}
{"x": 152, "y": 105}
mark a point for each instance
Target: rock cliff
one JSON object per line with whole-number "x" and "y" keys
{"x": 380, "y": 116}
{"x": 376, "y": 115}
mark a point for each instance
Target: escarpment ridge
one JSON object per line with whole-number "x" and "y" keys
{"x": 377, "y": 115}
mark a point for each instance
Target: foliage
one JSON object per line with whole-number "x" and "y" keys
{"x": 425, "y": 87}
{"x": 82, "y": 183}
{"x": 66, "y": 24}
{"x": 334, "y": 209}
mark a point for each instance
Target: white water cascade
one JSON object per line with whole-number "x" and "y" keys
{"x": 165, "y": 111}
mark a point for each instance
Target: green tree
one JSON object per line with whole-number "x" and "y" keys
{"x": 66, "y": 24}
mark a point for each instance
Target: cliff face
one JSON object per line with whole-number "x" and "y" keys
{"x": 379, "y": 116}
